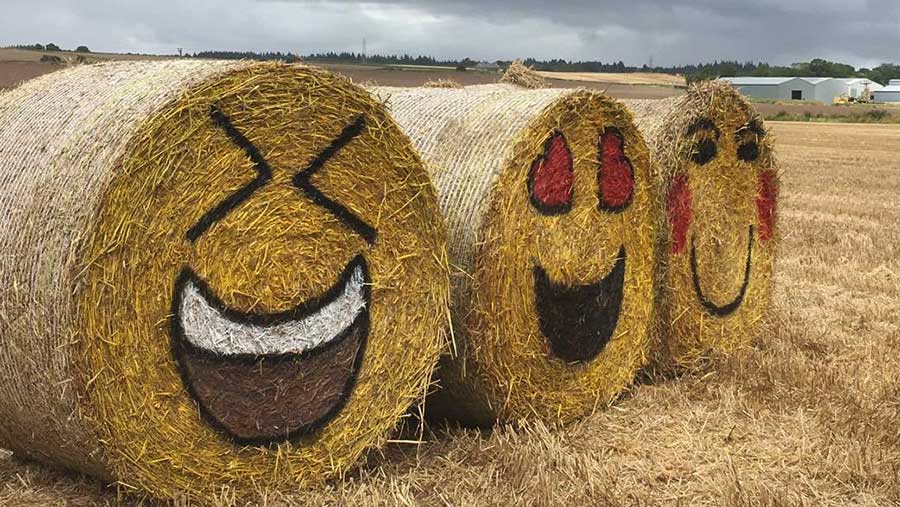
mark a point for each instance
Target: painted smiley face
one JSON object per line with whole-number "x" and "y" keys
{"x": 268, "y": 271}
{"x": 721, "y": 208}
{"x": 750, "y": 153}
{"x": 563, "y": 280}
{"x": 578, "y": 320}
{"x": 303, "y": 360}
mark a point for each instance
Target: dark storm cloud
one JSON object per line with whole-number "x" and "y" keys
{"x": 683, "y": 31}
{"x": 672, "y": 32}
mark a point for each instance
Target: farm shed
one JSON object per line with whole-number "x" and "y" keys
{"x": 487, "y": 66}
{"x": 821, "y": 89}
{"x": 775, "y": 88}
{"x": 889, "y": 93}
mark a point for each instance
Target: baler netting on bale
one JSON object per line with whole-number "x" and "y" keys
{"x": 215, "y": 276}
{"x": 718, "y": 184}
{"x": 552, "y": 233}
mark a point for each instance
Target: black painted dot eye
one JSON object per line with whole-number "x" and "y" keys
{"x": 748, "y": 152}
{"x": 704, "y": 152}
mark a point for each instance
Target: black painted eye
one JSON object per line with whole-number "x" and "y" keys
{"x": 748, "y": 152}
{"x": 704, "y": 152}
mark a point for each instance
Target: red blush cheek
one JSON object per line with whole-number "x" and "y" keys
{"x": 679, "y": 203}
{"x": 766, "y": 201}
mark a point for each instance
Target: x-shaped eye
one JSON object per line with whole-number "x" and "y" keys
{"x": 264, "y": 174}
{"x": 301, "y": 180}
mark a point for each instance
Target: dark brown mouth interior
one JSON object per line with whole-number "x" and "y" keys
{"x": 271, "y": 399}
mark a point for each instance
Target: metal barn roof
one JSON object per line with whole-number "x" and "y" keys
{"x": 771, "y": 81}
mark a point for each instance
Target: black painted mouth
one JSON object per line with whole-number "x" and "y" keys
{"x": 714, "y": 309}
{"x": 579, "y": 321}
{"x": 266, "y": 398}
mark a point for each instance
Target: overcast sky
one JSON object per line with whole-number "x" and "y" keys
{"x": 860, "y": 32}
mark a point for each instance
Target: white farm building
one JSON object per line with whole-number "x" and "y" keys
{"x": 890, "y": 93}
{"x": 821, "y": 89}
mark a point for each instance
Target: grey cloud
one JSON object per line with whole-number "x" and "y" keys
{"x": 673, "y": 32}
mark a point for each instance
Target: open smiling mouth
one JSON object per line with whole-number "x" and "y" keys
{"x": 268, "y": 378}
{"x": 712, "y": 308}
{"x": 579, "y": 320}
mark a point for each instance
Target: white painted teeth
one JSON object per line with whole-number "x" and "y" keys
{"x": 207, "y": 328}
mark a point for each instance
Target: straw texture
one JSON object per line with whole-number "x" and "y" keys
{"x": 442, "y": 83}
{"x": 481, "y": 143}
{"x": 717, "y": 181}
{"x": 522, "y": 75}
{"x": 268, "y": 199}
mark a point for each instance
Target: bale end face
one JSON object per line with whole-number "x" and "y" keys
{"x": 260, "y": 292}
{"x": 563, "y": 272}
{"x": 719, "y": 186}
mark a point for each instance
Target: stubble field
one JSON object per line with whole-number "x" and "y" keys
{"x": 808, "y": 416}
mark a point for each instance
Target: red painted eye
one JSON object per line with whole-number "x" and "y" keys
{"x": 678, "y": 204}
{"x": 766, "y": 201}
{"x": 551, "y": 179}
{"x": 616, "y": 175}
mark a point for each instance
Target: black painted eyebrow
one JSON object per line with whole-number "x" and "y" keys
{"x": 302, "y": 181}
{"x": 703, "y": 124}
{"x": 264, "y": 174}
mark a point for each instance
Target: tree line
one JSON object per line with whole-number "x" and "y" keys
{"x": 49, "y": 47}
{"x": 814, "y": 68}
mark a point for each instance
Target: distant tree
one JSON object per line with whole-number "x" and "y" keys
{"x": 52, "y": 47}
{"x": 34, "y": 47}
{"x": 82, "y": 49}
{"x": 883, "y": 73}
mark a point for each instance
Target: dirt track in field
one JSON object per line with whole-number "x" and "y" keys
{"x": 808, "y": 416}
{"x": 13, "y": 73}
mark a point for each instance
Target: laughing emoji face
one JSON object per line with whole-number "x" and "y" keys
{"x": 721, "y": 208}
{"x": 269, "y": 278}
{"x": 228, "y": 356}
{"x": 564, "y": 272}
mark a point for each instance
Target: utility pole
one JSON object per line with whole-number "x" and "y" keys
{"x": 364, "y": 50}
{"x": 180, "y": 51}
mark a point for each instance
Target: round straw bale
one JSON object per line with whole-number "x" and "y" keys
{"x": 718, "y": 186}
{"x": 215, "y": 275}
{"x": 552, "y": 233}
